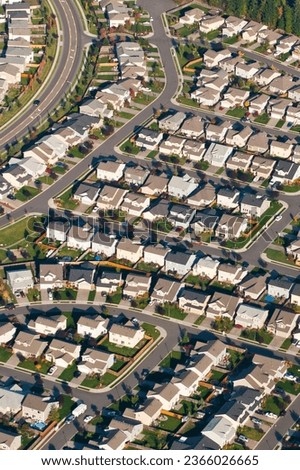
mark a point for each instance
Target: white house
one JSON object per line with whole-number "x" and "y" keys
{"x": 217, "y": 154}
{"x": 231, "y": 273}
{"x": 254, "y": 205}
{"x": 104, "y": 244}
{"x": 206, "y": 267}
{"x": 110, "y": 171}
{"x": 211, "y": 23}
{"x": 181, "y": 187}
{"x": 228, "y": 198}
{"x": 62, "y": 353}
{"x": 48, "y": 325}
{"x": 125, "y": 336}
{"x": 280, "y": 287}
{"x": 179, "y": 263}
{"x": 20, "y": 279}
{"x": 7, "y": 332}
{"x": 92, "y": 326}
{"x": 249, "y": 316}
{"x": 129, "y": 250}
{"x": 155, "y": 254}
{"x": 94, "y": 361}
{"x": 136, "y": 285}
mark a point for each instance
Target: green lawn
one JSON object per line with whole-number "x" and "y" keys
{"x": 107, "y": 379}
{"x": 201, "y": 393}
{"x": 171, "y": 310}
{"x": 291, "y": 188}
{"x": 66, "y": 405}
{"x": 217, "y": 376}
{"x": 68, "y": 374}
{"x": 223, "y": 324}
{"x": 213, "y": 34}
{"x": 92, "y": 295}
{"x": 115, "y": 298}
{"x": 173, "y": 359}
{"x": 152, "y": 154}
{"x": 66, "y": 200}
{"x": 129, "y": 147}
{"x": 162, "y": 225}
{"x": 151, "y": 330}
{"x": 171, "y": 424}
{"x": 60, "y": 170}
{"x": 289, "y": 386}
{"x": 65, "y": 294}
{"x": 122, "y": 351}
{"x": 33, "y": 295}
{"x": 70, "y": 320}
{"x": 35, "y": 365}
{"x": 5, "y": 354}
{"x": 279, "y": 256}
{"x": 286, "y": 344}
{"x": 20, "y": 230}
{"x": 125, "y": 115}
{"x": 147, "y": 267}
{"x": 91, "y": 381}
{"x": 26, "y": 193}
{"x": 261, "y": 336}
{"x": 274, "y": 404}
{"x": 231, "y": 40}
{"x": 238, "y": 112}
{"x": 252, "y": 433}
{"x": 46, "y": 180}
{"x": 280, "y": 123}
{"x": 72, "y": 252}
{"x": 143, "y": 99}
{"x": 262, "y": 119}
{"x": 152, "y": 439}
{"x": 118, "y": 365}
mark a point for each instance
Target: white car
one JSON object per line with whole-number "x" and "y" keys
{"x": 52, "y": 370}
{"x": 87, "y": 419}
{"x": 242, "y": 438}
{"x": 95, "y": 209}
{"x": 278, "y": 218}
{"x": 271, "y": 415}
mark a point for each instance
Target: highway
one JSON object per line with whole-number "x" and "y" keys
{"x": 74, "y": 41}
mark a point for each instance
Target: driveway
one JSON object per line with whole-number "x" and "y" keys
{"x": 82, "y": 295}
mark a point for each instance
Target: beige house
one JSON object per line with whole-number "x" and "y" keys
{"x": 193, "y": 301}
{"x": 168, "y": 394}
{"x": 128, "y": 250}
{"x": 239, "y": 161}
{"x": 206, "y": 267}
{"x": 262, "y": 167}
{"x": 123, "y": 335}
{"x": 222, "y": 305}
{"x": 61, "y": 353}
{"x": 156, "y": 254}
{"x": 134, "y": 204}
{"x": 165, "y": 290}
{"x": 51, "y": 276}
{"x": 155, "y": 185}
{"x": 295, "y": 295}
{"x": 231, "y": 226}
{"x": 9, "y": 440}
{"x": 110, "y": 198}
{"x": 36, "y": 409}
{"x": 48, "y": 325}
{"x": 136, "y": 285}
{"x": 149, "y": 411}
{"x": 253, "y": 287}
{"x": 7, "y": 332}
{"x": 282, "y": 322}
{"x": 28, "y": 345}
{"x": 281, "y": 149}
{"x": 110, "y": 171}
{"x": 231, "y": 274}
{"x": 92, "y": 326}
{"x": 258, "y": 143}
{"x": 94, "y": 361}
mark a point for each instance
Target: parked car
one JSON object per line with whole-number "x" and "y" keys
{"x": 242, "y": 438}
{"x": 70, "y": 419}
{"x": 52, "y": 370}
{"x": 256, "y": 420}
{"x": 278, "y": 218}
{"x": 271, "y": 415}
{"x": 10, "y": 306}
{"x": 88, "y": 418}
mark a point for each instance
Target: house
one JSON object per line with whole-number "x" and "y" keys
{"x": 216, "y": 133}
{"x": 231, "y": 274}
{"x": 187, "y": 382}
{"x": 7, "y": 332}
{"x": 117, "y": 13}
{"x": 134, "y": 204}
{"x": 131, "y": 427}
{"x": 136, "y": 285}
{"x": 211, "y": 23}
{"x": 114, "y": 440}
{"x": 136, "y": 175}
{"x": 228, "y": 198}
{"x": 285, "y": 172}
{"x": 217, "y": 154}
{"x": 281, "y": 85}
{"x": 206, "y": 267}
{"x": 262, "y": 167}
{"x": 11, "y": 401}
{"x": 295, "y": 295}
{"x": 220, "y": 430}
{"x": 181, "y": 215}
{"x": 57, "y": 230}
{"x": 233, "y": 26}
{"x": 172, "y": 122}
{"x": 148, "y": 412}
{"x": 268, "y": 36}
{"x": 203, "y": 196}
{"x": 258, "y": 104}
{"x": 234, "y": 97}
{"x": 201, "y": 365}
{"x": 205, "y": 221}
{"x": 94, "y": 361}
{"x": 5, "y": 188}
{"x": 181, "y": 186}
{"x": 280, "y": 287}
{"x": 62, "y": 353}
{"x": 108, "y": 282}
{"x": 250, "y": 316}
{"x": 110, "y": 171}
{"x": 206, "y": 96}
{"x": 222, "y": 305}
{"x": 172, "y": 145}
{"x": 282, "y": 323}
{"x": 193, "y": 150}
{"x": 231, "y": 227}
{"x": 165, "y": 290}
{"x": 94, "y": 108}
{"x": 212, "y": 58}
{"x": 293, "y": 115}
{"x": 126, "y": 335}
{"x": 160, "y": 210}
{"x": 285, "y": 45}
{"x": 192, "y": 16}
{"x": 179, "y": 263}
{"x": 238, "y": 138}
{"x": 254, "y": 204}
{"x": 247, "y": 71}
{"x": 294, "y": 93}
{"x": 19, "y": 279}
{"x": 258, "y": 143}
{"x": 36, "y": 409}
{"x": 193, "y": 301}
{"x": 80, "y": 235}
{"x": 148, "y": 139}
{"x": 81, "y": 276}
{"x": 239, "y": 161}
{"x": 192, "y": 128}
{"x": 9, "y": 440}
{"x": 265, "y": 77}
{"x": 251, "y": 30}
{"x": 17, "y": 176}
{"x": 86, "y": 193}
{"x": 168, "y": 394}
{"x": 28, "y": 345}
{"x": 281, "y": 149}
{"x": 92, "y": 326}
{"x": 228, "y": 65}
{"x": 51, "y": 275}
{"x": 253, "y": 287}
{"x": 48, "y": 325}
{"x": 277, "y": 108}
{"x": 110, "y": 197}
{"x": 104, "y": 244}
{"x": 129, "y": 250}
{"x": 155, "y": 185}
{"x": 293, "y": 249}
{"x": 156, "y": 254}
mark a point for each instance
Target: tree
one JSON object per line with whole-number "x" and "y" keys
{"x": 296, "y": 18}
{"x": 54, "y": 414}
{"x": 288, "y": 19}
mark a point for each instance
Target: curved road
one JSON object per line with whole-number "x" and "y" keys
{"x": 74, "y": 40}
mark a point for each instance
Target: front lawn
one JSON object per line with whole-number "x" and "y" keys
{"x": 91, "y": 381}
{"x": 129, "y": 147}
{"x": 279, "y": 256}
{"x": 286, "y": 344}
{"x": 65, "y": 294}
{"x": 107, "y": 379}
{"x": 92, "y": 295}
{"x": 173, "y": 359}
{"x": 261, "y": 336}
{"x": 114, "y": 298}
{"x": 147, "y": 267}
{"x": 35, "y": 365}
{"x": 238, "y": 112}
{"x": 150, "y": 330}
{"x": 122, "y": 351}
{"x": 33, "y": 295}
{"x": 171, "y": 310}
{"x": 223, "y": 324}
{"x": 66, "y": 200}
{"x": 289, "y": 387}
{"x": 68, "y": 374}
{"x": 26, "y": 193}
{"x": 5, "y": 354}
{"x": 252, "y": 433}
{"x": 274, "y": 404}
{"x": 262, "y": 119}
{"x": 65, "y": 406}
